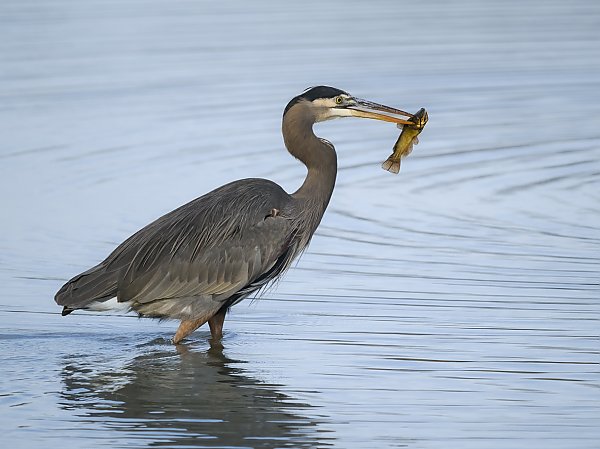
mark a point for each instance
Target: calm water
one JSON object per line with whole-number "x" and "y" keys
{"x": 453, "y": 306}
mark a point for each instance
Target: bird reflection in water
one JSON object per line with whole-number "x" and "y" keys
{"x": 186, "y": 398}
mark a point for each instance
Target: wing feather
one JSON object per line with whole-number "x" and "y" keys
{"x": 218, "y": 271}
{"x": 175, "y": 260}
{"x": 214, "y": 250}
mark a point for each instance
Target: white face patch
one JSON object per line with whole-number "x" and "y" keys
{"x": 328, "y": 108}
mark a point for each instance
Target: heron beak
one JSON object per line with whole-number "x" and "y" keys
{"x": 368, "y": 109}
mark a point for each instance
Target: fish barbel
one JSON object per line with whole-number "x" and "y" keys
{"x": 406, "y": 141}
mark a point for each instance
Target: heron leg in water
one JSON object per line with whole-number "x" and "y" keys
{"x": 216, "y": 324}
{"x": 186, "y": 328}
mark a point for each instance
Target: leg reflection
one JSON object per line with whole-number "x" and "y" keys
{"x": 186, "y": 397}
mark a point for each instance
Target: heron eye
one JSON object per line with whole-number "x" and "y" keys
{"x": 339, "y": 100}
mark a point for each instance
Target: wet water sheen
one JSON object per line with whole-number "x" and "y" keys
{"x": 453, "y": 306}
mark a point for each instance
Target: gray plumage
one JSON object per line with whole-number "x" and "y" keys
{"x": 198, "y": 260}
{"x": 211, "y": 252}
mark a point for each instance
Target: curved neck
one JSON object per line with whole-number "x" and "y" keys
{"x": 319, "y": 157}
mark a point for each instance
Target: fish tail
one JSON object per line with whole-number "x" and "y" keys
{"x": 392, "y": 165}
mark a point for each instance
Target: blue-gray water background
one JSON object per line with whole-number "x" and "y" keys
{"x": 453, "y": 306}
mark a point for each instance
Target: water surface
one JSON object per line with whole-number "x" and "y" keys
{"x": 454, "y": 305}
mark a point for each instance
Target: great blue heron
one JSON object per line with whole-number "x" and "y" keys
{"x": 197, "y": 261}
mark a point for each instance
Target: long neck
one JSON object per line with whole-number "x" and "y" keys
{"x": 319, "y": 157}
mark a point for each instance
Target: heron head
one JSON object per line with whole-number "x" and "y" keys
{"x": 326, "y": 103}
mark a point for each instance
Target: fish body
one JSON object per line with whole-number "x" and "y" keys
{"x": 406, "y": 141}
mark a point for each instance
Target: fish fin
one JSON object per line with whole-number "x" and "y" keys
{"x": 415, "y": 140}
{"x": 391, "y": 165}
{"x": 399, "y": 125}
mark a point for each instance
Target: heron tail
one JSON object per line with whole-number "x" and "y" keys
{"x": 98, "y": 284}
